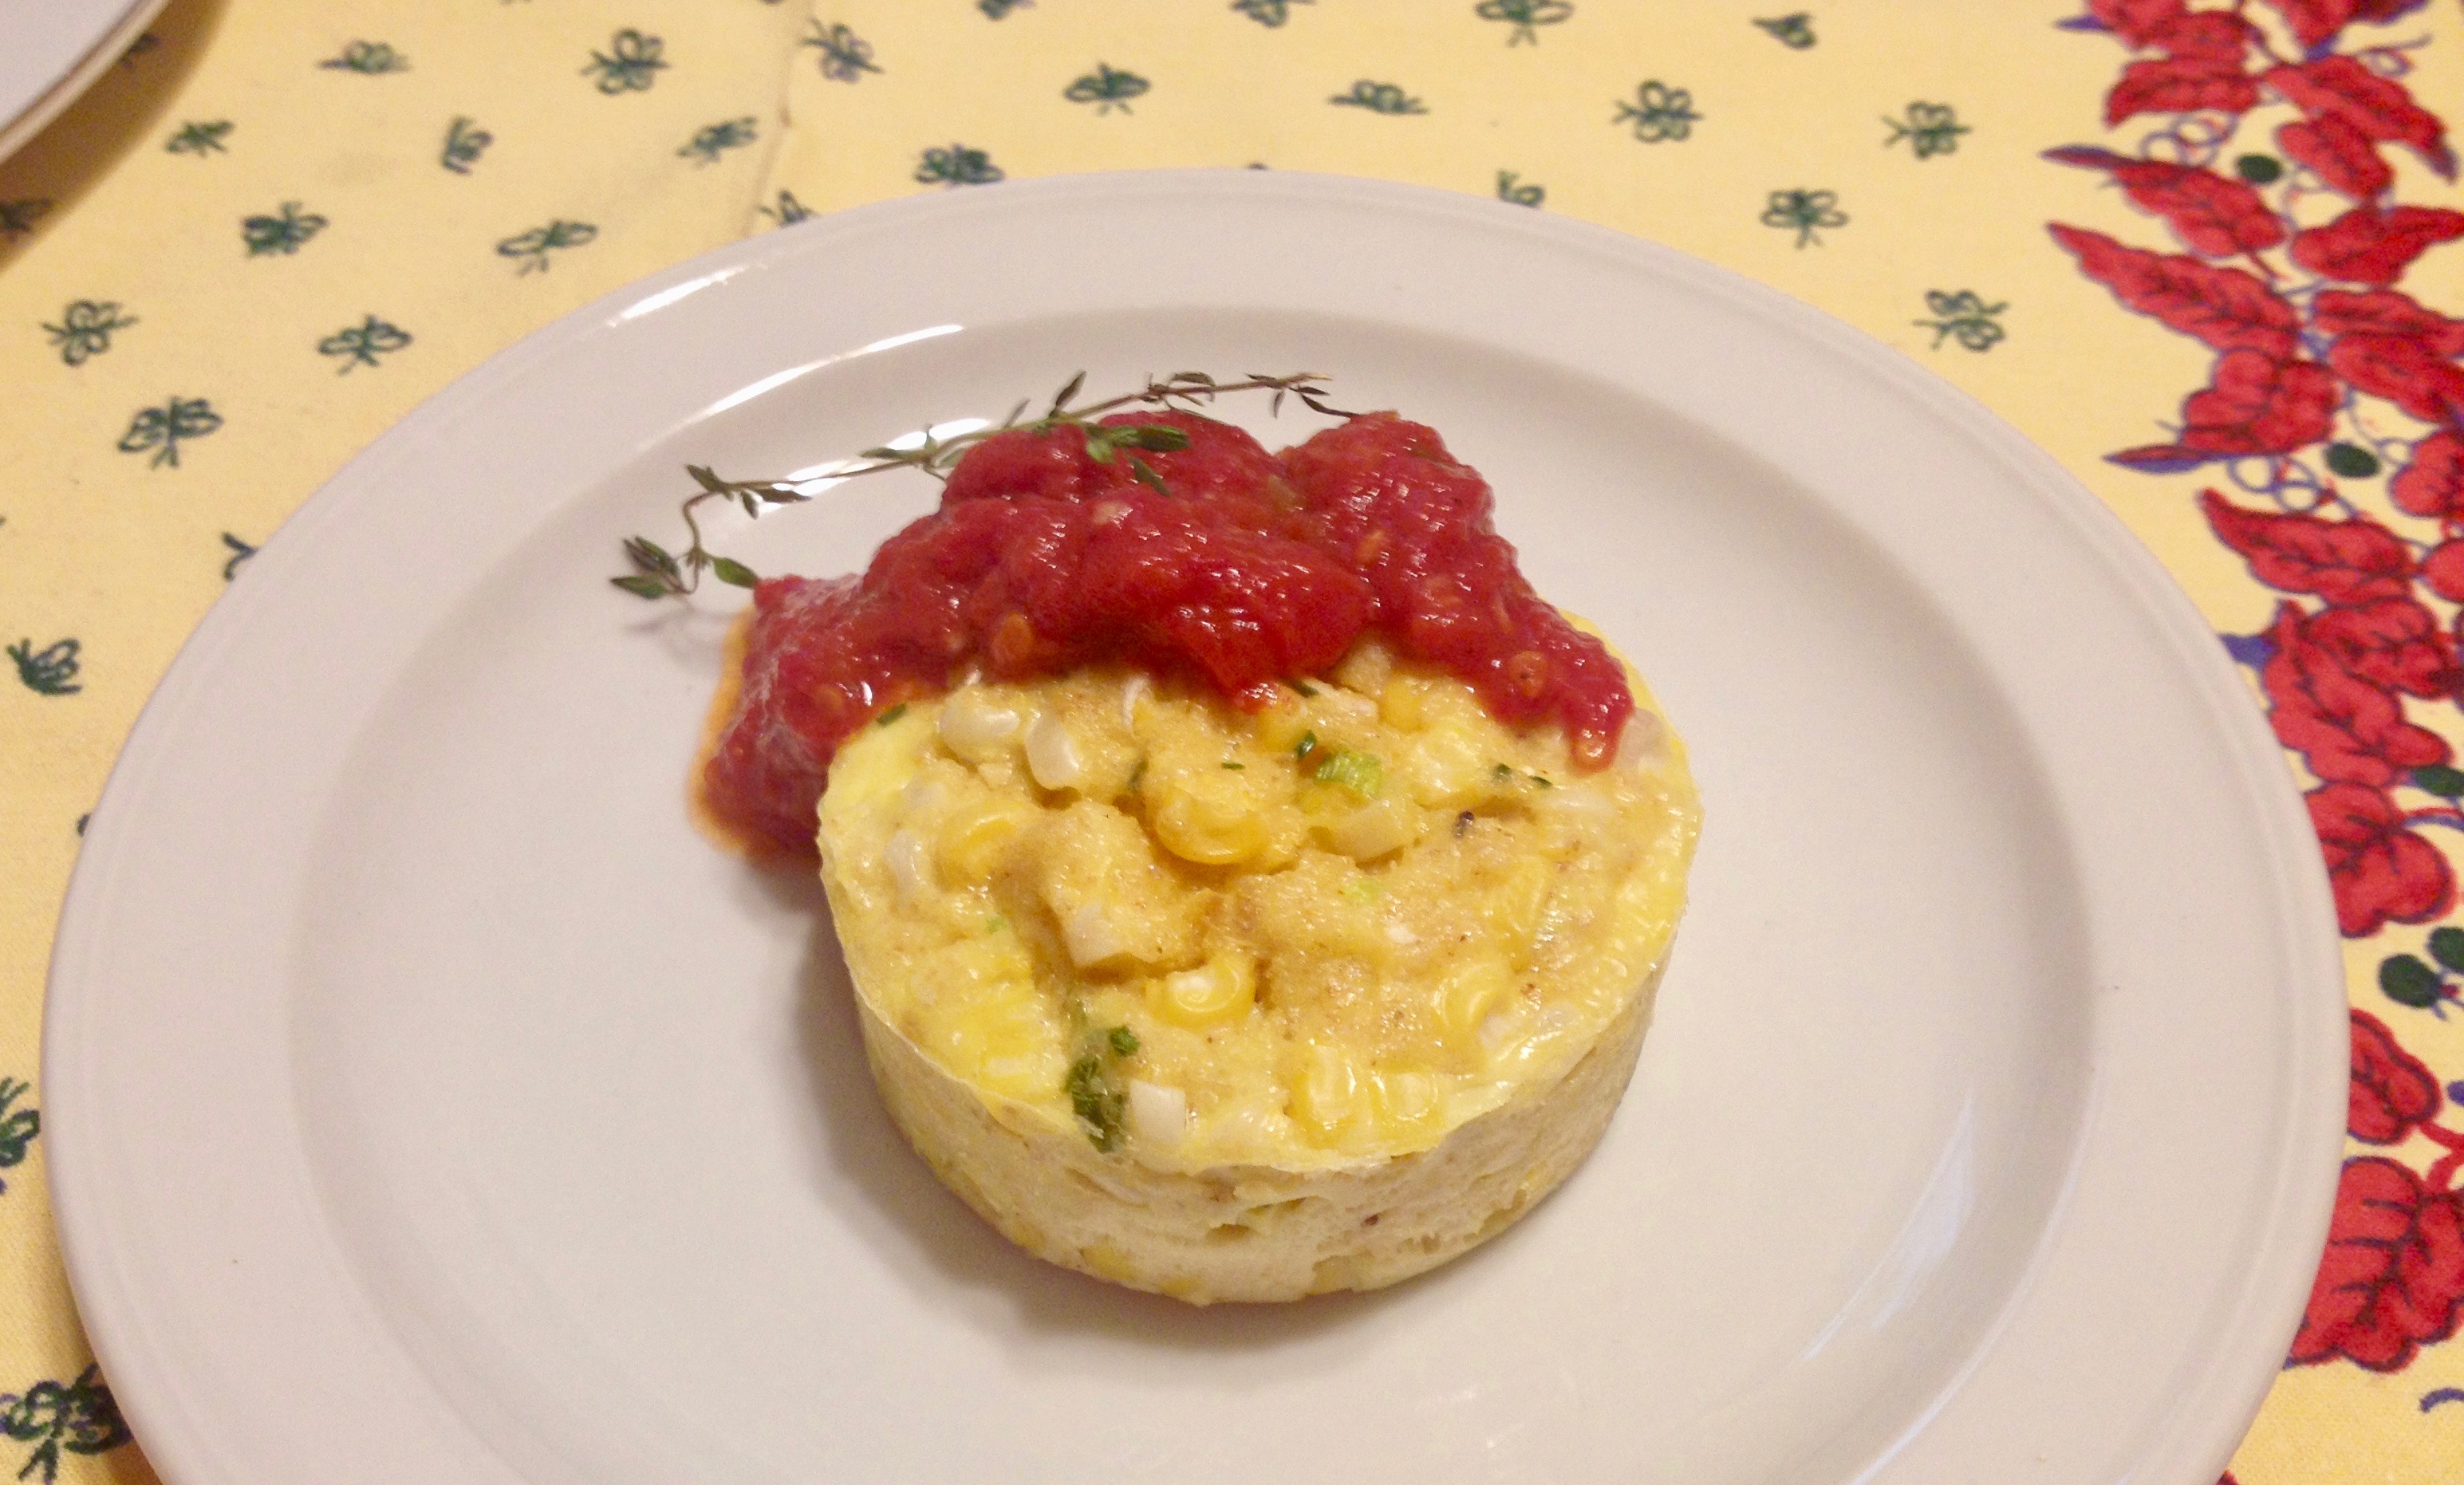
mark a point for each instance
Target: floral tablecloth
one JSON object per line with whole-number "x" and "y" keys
{"x": 2197, "y": 250}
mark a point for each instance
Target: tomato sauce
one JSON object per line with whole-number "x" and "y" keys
{"x": 1250, "y": 570}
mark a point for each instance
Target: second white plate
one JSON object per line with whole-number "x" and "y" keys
{"x": 415, "y": 1068}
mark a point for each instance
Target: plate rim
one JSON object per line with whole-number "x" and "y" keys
{"x": 70, "y": 85}
{"x": 2301, "y": 1192}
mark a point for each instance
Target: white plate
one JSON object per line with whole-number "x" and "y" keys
{"x": 428, "y": 1101}
{"x": 52, "y": 50}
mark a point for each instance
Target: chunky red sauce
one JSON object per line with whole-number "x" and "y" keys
{"x": 1255, "y": 569}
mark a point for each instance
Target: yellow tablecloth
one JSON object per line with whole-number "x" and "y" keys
{"x": 278, "y": 225}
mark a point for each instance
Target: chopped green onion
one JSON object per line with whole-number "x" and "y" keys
{"x": 1123, "y": 1040}
{"x": 1359, "y": 771}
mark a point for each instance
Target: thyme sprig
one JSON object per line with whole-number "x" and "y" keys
{"x": 658, "y": 572}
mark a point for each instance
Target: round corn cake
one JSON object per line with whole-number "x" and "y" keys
{"x": 1246, "y": 1006}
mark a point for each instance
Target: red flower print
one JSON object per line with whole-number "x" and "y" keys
{"x": 2392, "y": 1090}
{"x": 2315, "y": 21}
{"x": 2368, "y": 246}
{"x": 2401, "y": 370}
{"x": 2346, "y": 727}
{"x": 2433, "y": 485}
{"x": 2385, "y": 311}
{"x": 2381, "y": 108}
{"x": 2395, "y": 643}
{"x": 2443, "y": 569}
{"x": 2213, "y": 35}
{"x": 2180, "y": 84}
{"x": 2136, "y": 21}
{"x": 2381, "y": 871}
{"x": 2393, "y": 1272}
{"x": 2212, "y": 214}
{"x": 2341, "y": 154}
{"x": 2256, "y": 405}
{"x": 2343, "y": 561}
{"x": 2229, "y": 308}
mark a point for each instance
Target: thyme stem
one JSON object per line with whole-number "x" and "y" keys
{"x": 658, "y": 572}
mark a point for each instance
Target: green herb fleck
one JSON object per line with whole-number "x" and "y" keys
{"x": 1305, "y": 689}
{"x": 1123, "y": 1042}
{"x": 890, "y": 715}
{"x": 1096, "y": 1097}
{"x": 996, "y": 923}
{"x": 1235, "y": 767}
{"x": 1305, "y": 746}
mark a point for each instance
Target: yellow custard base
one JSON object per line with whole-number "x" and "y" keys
{"x": 1248, "y": 1007}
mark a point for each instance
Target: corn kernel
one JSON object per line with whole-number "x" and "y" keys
{"x": 1326, "y": 1094}
{"x": 1407, "y": 1100}
{"x": 974, "y": 727}
{"x": 1376, "y": 829}
{"x": 1365, "y": 669}
{"x": 1052, "y": 753}
{"x": 1402, "y": 703}
{"x": 1222, "y": 990}
{"x": 1211, "y": 826}
{"x": 971, "y": 845}
{"x": 1515, "y": 908}
{"x": 1280, "y": 728}
{"x": 1467, "y": 997}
